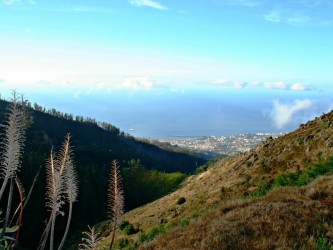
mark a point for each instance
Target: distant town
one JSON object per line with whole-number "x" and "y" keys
{"x": 214, "y": 146}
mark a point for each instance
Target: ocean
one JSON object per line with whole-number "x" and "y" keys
{"x": 161, "y": 114}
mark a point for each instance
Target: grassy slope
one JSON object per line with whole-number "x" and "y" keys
{"x": 238, "y": 177}
{"x": 287, "y": 218}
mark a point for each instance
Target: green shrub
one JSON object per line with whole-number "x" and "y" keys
{"x": 181, "y": 200}
{"x": 143, "y": 237}
{"x": 201, "y": 169}
{"x": 123, "y": 224}
{"x": 298, "y": 178}
{"x": 129, "y": 229}
{"x": 184, "y": 223}
{"x": 287, "y": 179}
{"x": 260, "y": 192}
{"x": 122, "y": 243}
{"x": 154, "y": 232}
{"x": 323, "y": 243}
{"x": 301, "y": 178}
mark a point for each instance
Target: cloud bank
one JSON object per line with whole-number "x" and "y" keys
{"x": 283, "y": 114}
{"x": 278, "y": 85}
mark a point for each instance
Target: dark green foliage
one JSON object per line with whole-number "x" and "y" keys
{"x": 122, "y": 243}
{"x": 181, "y": 200}
{"x": 123, "y": 224}
{"x": 322, "y": 243}
{"x": 153, "y": 185}
{"x": 127, "y": 228}
{"x": 94, "y": 149}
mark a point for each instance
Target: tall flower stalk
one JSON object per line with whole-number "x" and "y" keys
{"x": 61, "y": 187}
{"x": 116, "y": 198}
{"x": 91, "y": 239}
{"x": 71, "y": 191}
{"x": 13, "y": 140}
{"x": 16, "y": 123}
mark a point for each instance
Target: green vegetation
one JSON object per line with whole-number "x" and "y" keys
{"x": 122, "y": 243}
{"x": 297, "y": 178}
{"x": 260, "y": 192}
{"x": 322, "y": 243}
{"x": 181, "y": 200}
{"x": 301, "y": 178}
{"x": 154, "y": 232}
{"x": 184, "y": 223}
{"x": 153, "y": 185}
{"x": 127, "y": 228}
{"x": 95, "y": 146}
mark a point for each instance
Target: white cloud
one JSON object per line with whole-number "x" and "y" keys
{"x": 301, "y": 87}
{"x": 275, "y": 85}
{"x": 283, "y": 114}
{"x": 148, "y": 3}
{"x": 223, "y": 82}
{"x": 284, "y": 86}
{"x": 278, "y": 85}
{"x": 231, "y": 83}
{"x": 138, "y": 83}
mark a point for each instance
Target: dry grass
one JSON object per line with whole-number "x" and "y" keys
{"x": 287, "y": 218}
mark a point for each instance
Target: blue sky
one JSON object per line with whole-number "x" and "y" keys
{"x": 89, "y": 47}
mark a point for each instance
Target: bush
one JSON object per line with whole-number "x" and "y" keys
{"x": 301, "y": 178}
{"x": 129, "y": 229}
{"x": 323, "y": 243}
{"x": 123, "y": 224}
{"x": 260, "y": 192}
{"x": 154, "y": 232}
{"x": 184, "y": 223}
{"x": 122, "y": 243}
{"x": 181, "y": 200}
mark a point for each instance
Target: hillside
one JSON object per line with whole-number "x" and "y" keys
{"x": 240, "y": 203}
{"x": 94, "y": 149}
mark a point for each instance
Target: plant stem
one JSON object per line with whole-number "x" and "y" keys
{"x": 67, "y": 226}
{"x": 9, "y": 206}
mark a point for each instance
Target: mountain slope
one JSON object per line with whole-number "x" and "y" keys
{"x": 219, "y": 189}
{"x": 94, "y": 149}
